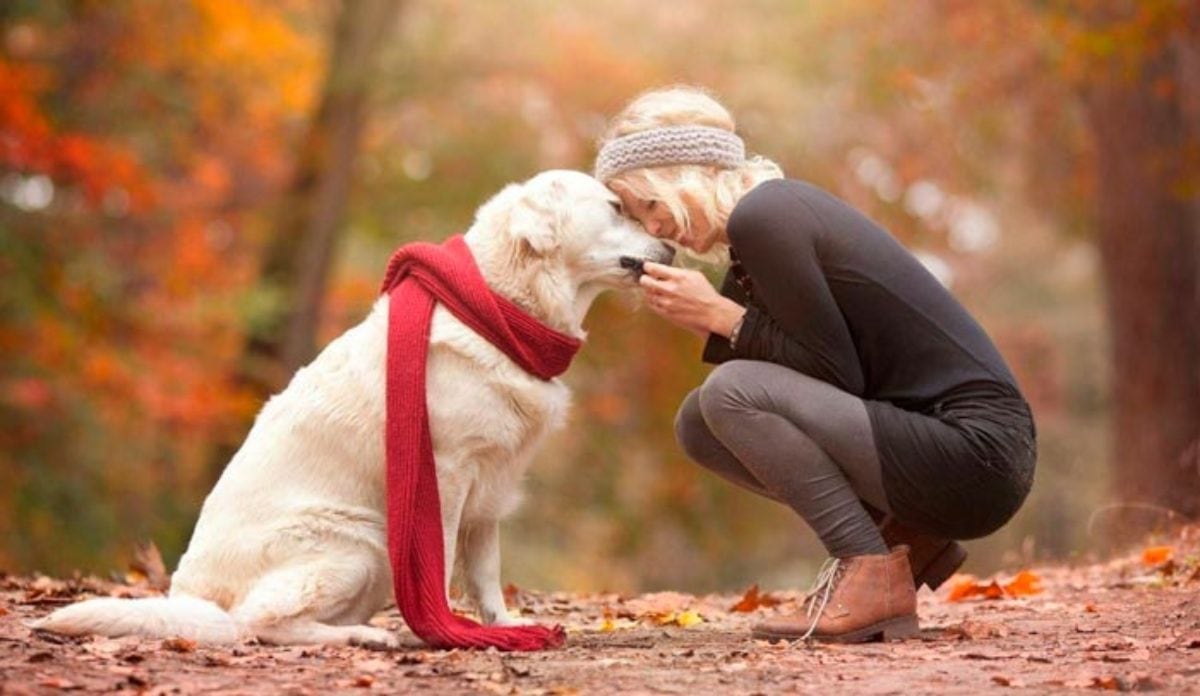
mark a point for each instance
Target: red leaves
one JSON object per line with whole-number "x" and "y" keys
{"x": 1024, "y": 584}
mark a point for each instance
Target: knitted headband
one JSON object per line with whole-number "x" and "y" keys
{"x": 670, "y": 145}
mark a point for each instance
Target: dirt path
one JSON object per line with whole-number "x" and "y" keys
{"x": 1124, "y": 625}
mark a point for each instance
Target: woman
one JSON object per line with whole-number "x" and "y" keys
{"x": 850, "y": 386}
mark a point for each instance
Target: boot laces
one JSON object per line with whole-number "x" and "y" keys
{"x": 818, "y": 596}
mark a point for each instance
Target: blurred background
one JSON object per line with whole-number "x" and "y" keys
{"x": 196, "y": 195}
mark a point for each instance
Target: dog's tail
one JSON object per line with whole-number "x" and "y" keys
{"x": 153, "y": 617}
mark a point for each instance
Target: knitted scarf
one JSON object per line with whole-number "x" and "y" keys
{"x": 419, "y": 275}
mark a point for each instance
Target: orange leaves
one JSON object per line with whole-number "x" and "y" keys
{"x": 1156, "y": 555}
{"x": 968, "y": 587}
{"x": 753, "y": 599}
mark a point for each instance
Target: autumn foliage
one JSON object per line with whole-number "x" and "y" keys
{"x": 146, "y": 148}
{"x": 129, "y": 252}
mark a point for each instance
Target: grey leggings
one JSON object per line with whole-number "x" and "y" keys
{"x": 793, "y": 439}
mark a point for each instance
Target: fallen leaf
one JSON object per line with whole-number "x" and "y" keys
{"x": 1108, "y": 683}
{"x": 962, "y": 589}
{"x": 1154, "y": 555}
{"x": 59, "y": 683}
{"x": 689, "y": 618}
{"x": 610, "y": 622}
{"x": 1025, "y": 583}
{"x": 364, "y": 681}
{"x": 1090, "y": 608}
{"x": 179, "y": 645}
{"x": 147, "y": 567}
{"x": 753, "y": 599}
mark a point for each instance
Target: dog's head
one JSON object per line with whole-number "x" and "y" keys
{"x": 557, "y": 237}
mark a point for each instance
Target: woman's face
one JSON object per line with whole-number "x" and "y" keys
{"x": 656, "y": 217}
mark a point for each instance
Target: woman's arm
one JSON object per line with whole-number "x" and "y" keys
{"x": 794, "y": 319}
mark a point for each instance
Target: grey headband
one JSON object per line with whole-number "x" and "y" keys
{"x": 670, "y": 145}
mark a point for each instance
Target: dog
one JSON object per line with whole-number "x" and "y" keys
{"x": 290, "y": 546}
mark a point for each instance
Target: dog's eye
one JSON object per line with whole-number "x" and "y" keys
{"x": 616, "y": 205}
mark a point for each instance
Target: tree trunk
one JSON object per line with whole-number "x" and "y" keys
{"x": 301, "y": 250}
{"x": 1146, "y": 127}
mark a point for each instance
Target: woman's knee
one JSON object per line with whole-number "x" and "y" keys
{"x": 730, "y": 388}
{"x": 691, "y": 431}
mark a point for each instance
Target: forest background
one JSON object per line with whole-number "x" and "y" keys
{"x": 195, "y": 195}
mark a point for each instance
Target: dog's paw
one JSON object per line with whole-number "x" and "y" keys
{"x": 506, "y": 619}
{"x": 373, "y": 638}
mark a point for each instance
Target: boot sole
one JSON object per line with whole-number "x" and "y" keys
{"x": 944, "y": 565}
{"x": 890, "y": 629}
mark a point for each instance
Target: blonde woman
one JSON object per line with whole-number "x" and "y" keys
{"x": 850, "y": 386}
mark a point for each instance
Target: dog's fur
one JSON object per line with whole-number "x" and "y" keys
{"x": 290, "y": 546}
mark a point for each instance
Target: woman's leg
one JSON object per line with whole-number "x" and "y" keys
{"x": 705, "y": 449}
{"x": 805, "y": 442}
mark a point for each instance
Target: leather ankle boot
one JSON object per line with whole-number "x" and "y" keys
{"x": 854, "y": 600}
{"x": 933, "y": 559}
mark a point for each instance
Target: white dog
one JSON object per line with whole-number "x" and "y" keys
{"x": 290, "y": 546}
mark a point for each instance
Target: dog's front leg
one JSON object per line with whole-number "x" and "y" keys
{"x": 453, "y": 493}
{"x": 481, "y": 556}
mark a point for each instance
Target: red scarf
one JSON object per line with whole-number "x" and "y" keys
{"x": 418, "y": 275}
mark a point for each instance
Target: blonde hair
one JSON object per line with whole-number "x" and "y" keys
{"x": 714, "y": 190}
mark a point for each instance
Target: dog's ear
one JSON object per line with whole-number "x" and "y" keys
{"x": 539, "y": 217}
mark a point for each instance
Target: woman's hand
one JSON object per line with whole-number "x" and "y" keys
{"x": 685, "y": 297}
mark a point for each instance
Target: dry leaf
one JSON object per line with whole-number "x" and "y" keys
{"x": 147, "y": 567}
{"x": 1025, "y": 583}
{"x": 1108, "y": 683}
{"x": 609, "y": 621}
{"x": 687, "y": 619}
{"x": 753, "y": 599}
{"x": 1154, "y": 555}
{"x": 180, "y": 645}
{"x": 962, "y": 588}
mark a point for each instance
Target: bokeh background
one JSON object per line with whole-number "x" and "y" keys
{"x": 197, "y": 194}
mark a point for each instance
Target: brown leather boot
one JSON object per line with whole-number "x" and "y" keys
{"x": 933, "y": 559}
{"x": 855, "y": 599}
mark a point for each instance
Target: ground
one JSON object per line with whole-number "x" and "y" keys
{"x": 1129, "y": 624}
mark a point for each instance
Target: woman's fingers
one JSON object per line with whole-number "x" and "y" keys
{"x": 653, "y": 284}
{"x": 660, "y": 271}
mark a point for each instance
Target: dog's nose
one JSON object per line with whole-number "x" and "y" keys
{"x": 668, "y": 253}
